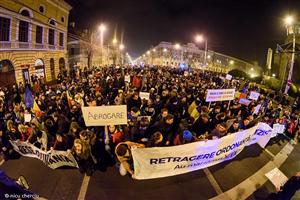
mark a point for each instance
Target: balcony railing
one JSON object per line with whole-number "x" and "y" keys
{"x": 39, "y": 46}
{"x": 28, "y": 46}
{"x": 51, "y": 46}
{"x": 5, "y": 45}
{"x": 24, "y": 45}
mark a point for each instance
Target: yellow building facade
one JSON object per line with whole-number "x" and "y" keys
{"x": 33, "y": 39}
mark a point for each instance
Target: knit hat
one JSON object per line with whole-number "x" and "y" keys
{"x": 187, "y": 135}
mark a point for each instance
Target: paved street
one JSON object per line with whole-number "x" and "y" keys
{"x": 68, "y": 184}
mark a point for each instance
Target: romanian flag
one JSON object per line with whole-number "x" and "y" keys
{"x": 69, "y": 99}
{"x": 35, "y": 107}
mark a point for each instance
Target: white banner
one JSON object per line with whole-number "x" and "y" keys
{"x": 52, "y": 159}
{"x": 145, "y": 95}
{"x": 254, "y": 95}
{"x": 220, "y": 95}
{"x": 105, "y": 115}
{"x": 159, "y": 162}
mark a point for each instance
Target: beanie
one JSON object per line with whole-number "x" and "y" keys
{"x": 187, "y": 135}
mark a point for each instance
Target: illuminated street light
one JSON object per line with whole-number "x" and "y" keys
{"x": 177, "y": 46}
{"x": 115, "y": 41}
{"x": 231, "y": 62}
{"x": 273, "y": 75}
{"x": 121, "y": 47}
{"x": 148, "y": 52}
{"x": 208, "y": 56}
{"x": 165, "y": 50}
{"x": 154, "y": 50}
{"x": 252, "y": 69}
{"x": 102, "y": 28}
{"x": 199, "y": 38}
{"x": 289, "y": 20}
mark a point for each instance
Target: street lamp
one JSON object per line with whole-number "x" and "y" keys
{"x": 121, "y": 47}
{"x": 177, "y": 46}
{"x": 115, "y": 41}
{"x": 102, "y": 29}
{"x": 289, "y": 21}
{"x": 200, "y": 39}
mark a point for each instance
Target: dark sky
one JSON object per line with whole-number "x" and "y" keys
{"x": 241, "y": 28}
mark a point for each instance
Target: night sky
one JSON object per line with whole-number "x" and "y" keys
{"x": 240, "y": 28}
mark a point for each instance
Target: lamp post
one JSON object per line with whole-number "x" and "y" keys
{"x": 121, "y": 47}
{"x": 200, "y": 39}
{"x": 290, "y": 23}
{"x": 102, "y": 29}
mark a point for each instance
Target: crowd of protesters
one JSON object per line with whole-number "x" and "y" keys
{"x": 175, "y": 114}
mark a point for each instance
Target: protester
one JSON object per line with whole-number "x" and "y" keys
{"x": 176, "y": 112}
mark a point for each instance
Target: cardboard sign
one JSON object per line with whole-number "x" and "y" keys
{"x": 105, "y": 115}
{"x": 276, "y": 177}
{"x": 228, "y": 77}
{"x": 254, "y": 95}
{"x": 27, "y": 117}
{"x": 127, "y": 78}
{"x": 244, "y": 102}
{"x": 145, "y": 95}
{"x": 220, "y": 95}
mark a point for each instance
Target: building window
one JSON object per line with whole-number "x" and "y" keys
{"x": 42, "y": 9}
{"x": 39, "y": 35}
{"x": 72, "y": 51}
{"x": 51, "y": 37}
{"x": 4, "y": 29}
{"x": 61, "y": 39}
{"x": 25, "y": 13}
{"x": 52, "y": 22}
{"x": 62, "y": 19}
{"x": 23, "y": 31}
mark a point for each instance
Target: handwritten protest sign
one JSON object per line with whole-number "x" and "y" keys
{"x": 105, "y": 115}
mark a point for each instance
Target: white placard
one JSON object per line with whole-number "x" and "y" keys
{"x": 276, "y": 177}
{"x": 257, "y": 108}
{"x": 105, "y": 115}
{"x": 278, "y": 128}
{"x": 228, "y": 77}
{"x": 145, "y": 95}
{"x": 27, "y": 117}
{"x": 244, "y": 101}
{"x": 127, "y": 78}
{"x": 220, "y": 95}
{"x": 254, "y": 95}
{"x": 159, "y": 162}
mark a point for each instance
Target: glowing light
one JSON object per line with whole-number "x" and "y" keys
{"x": 273, "y": 75}
{"x": 165, "y": 50}
{"x": 121, "y": 47}
{"x": 251, "y": 69}
{"x": 177, "y": 46}
{"x": 115, "y": 41}
{"x": 231, "y": 62}
{"x": 102, "y": 28}
{"x": 208, "y": 56}
{"x": 199, "y": 38}
{"x": 154, "y": 50}
{"x": 148, "y": 52}
{"x": 289, "y": 20}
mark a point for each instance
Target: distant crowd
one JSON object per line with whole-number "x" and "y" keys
{"x": 176, "y": 113}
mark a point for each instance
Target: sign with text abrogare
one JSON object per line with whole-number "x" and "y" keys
{"x": 52, "y": 159}
{"x": 220, "y": 95}
{"x": 159, "y": 162}
{"x": 105, "y": 115}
